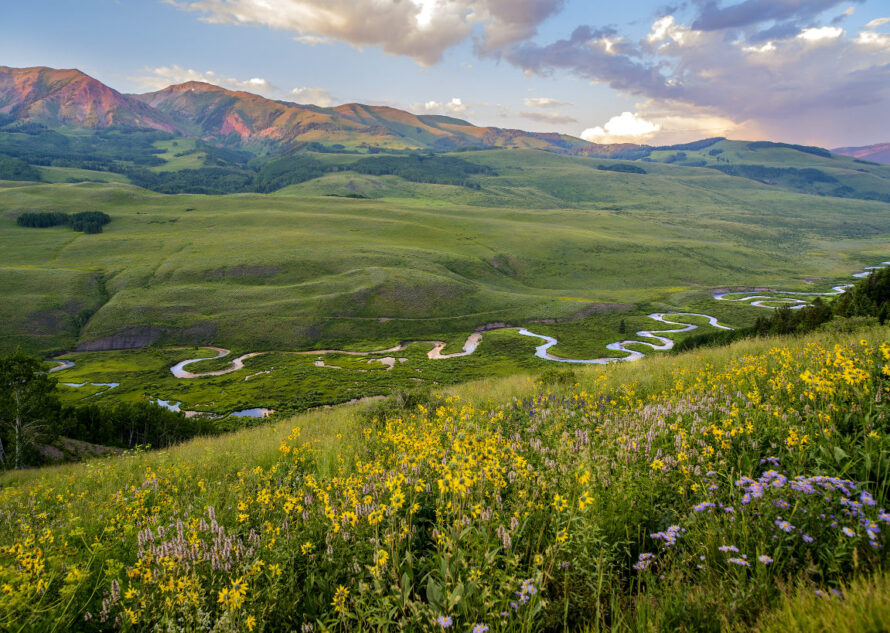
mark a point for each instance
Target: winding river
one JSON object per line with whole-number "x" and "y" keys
{"x": 657, "y": 339}
{"x": 792, "y": 302}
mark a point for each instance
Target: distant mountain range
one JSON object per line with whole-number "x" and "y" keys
{"x": 71, "y": 99}
{"x": 878, "y": 153}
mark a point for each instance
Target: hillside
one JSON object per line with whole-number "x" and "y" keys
{"x": 879, "y": 153}
{"x": 61, "y": 99}
{"x": 540, "y": 237}
{"x": 685, "y": 493}
{"x": 57, "y": 98}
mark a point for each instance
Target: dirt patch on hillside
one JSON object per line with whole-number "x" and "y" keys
{"x": 145, "y": 335}
{"x": 236, "y": 272}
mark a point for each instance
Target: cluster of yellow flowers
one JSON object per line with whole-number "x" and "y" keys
{"x": 447, "y": 486}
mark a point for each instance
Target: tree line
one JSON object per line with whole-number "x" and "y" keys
{"x": 868, "y": 298}
{"x": 32, "y": 417}
{"x": 82, "y": 222}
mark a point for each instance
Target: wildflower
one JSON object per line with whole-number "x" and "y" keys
{"x": 339, "y": 601}
{"x": 766, "y": 560}
{"x": 807, "y": 538}
{"x": 740, "y": 561}
{"x": 701, "y": 507}
{"x": 785, "y": 526}
{"x": 250, "y": 621}
{"x": 848, "y": 532}
{"x": 444, "y": 621}
{"x": 306, "y": 548}
{"x": 480, "y": 628}
{"x": 728, "y": 548}
{"x": 644, "y": 561}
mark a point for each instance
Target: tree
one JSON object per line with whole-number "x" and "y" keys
{"x": 26, "y": 403}
{"x": 622, "y": 327}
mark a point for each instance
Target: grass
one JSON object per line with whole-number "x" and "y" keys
{"x": 550, "y": 243}
{"x": 619, "y": 453}
{"x": 861, "y": 607}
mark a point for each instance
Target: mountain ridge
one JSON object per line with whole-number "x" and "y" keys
{"x": 70, "y": 98}
{"x": 878, "y": 152}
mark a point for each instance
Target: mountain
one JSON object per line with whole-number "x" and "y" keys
{"x": 878, "y": 153}
{"x": 70, "y": 98}
{"x": 214, "y": 113}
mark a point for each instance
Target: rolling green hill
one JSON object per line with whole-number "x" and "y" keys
{"x": 539, "y": 237}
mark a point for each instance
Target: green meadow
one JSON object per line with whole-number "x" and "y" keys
{"x": 363, "y": 262}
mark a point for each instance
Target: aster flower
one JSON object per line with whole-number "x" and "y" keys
{"x": 444, "y": 621}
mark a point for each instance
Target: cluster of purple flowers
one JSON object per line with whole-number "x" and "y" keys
{"x": 644, "y": 561}
{"x": 669, "y": 536}
{"x": 852, "y": 501}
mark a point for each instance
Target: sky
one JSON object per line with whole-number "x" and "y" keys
{"x": 801, "y": 71}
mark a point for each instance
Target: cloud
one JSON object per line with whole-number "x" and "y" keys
{"x": 455, "y": 106}
{"x": 315, "y": 96}
{"x": 163, "y": 76}
{"x": 821, "y": 33}
{"x": 544, "y": 102}
{"x": 548, "y": 117}
{"x": 762, "y": 18}
{"x": 627, "y": 127}
{"x": 311, "y": 40}
{"x": 815, "y": 84}
{"x": 877, "y": 22}
{"x": 420, "y": 29}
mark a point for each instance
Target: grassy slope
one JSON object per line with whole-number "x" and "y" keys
{"x": 215, "y": 467}
{"x": 548, "y": 237}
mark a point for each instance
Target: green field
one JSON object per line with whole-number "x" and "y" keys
{"x": 544, "y": 241}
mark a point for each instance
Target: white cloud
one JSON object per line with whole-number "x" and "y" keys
{"x": 457, "y": 106}
{"x": 420, "y": 29}
{"x": 550, "y": 118}
{"x": 544, "y": 102}
{"x": 163, "y": 76}
{"x": 312, "y": 40}
{"x": 627, "y": 127}
{"x": 769, "y": 47}
{"x": 315, "y": 96}
{"x": 877, "y": 22}
{"x": 821, "y": 33}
